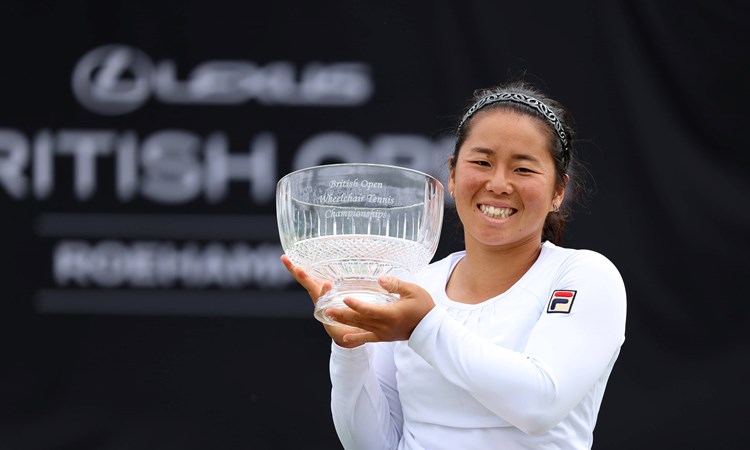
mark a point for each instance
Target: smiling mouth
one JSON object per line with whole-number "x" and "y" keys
{"x": 496, "y": 213}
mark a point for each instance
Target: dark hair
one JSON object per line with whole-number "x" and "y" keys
{"x": 566, "y": 163}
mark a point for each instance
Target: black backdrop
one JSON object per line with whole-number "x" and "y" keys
{"x": 143, "y": 304}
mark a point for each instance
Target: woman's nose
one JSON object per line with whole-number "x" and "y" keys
{"x": 499, "y": 183}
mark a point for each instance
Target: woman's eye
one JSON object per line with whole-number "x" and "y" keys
{"x": 482, "y": 163}
{"x": 524, "y": 170}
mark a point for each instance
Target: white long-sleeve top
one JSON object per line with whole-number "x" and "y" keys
{"x": 524, "y": 370}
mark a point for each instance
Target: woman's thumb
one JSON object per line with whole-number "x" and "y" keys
{"x": 394, "y": 285}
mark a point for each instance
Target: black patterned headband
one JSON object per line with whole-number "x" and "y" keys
{"x": 524, "y": 100}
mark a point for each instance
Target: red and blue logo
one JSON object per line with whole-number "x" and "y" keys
{"x": 561, "y": 302}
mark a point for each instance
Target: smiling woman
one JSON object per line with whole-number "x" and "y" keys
{"x": 552, "y": 121}
{"x": 485, "y": 348}
{"x": 504, "y": 180}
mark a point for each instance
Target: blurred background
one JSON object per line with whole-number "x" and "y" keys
{"x": 144, "y": 306}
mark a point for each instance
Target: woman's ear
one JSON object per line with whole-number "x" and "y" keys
{"x": 451, "y": 175}
{"x": 560, "y": 191}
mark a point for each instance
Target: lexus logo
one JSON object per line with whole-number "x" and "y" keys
{"x": 117, "y": 79}
{"x": 113, "y": 79}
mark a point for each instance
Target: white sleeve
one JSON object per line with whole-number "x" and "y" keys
{"x": 365, "y": 404}
{"x": 566, "y": 354}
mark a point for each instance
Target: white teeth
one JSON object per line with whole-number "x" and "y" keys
{"x": 496, "y": 212}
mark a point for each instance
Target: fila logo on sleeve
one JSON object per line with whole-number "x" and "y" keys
{"x": 561, "y": 302}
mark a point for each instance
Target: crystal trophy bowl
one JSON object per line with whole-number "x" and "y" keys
{"x": 352, "y": 223}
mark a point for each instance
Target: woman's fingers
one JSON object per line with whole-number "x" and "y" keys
{"x": 314, "y": 287}
{"x": 397, "y": 286}
{"x": 373, "y": 322}
{"x": 389, "y": 322}
{"x": 359, "y": 314}
{"x": 290, "y": 267}
{"x": 351, "y": 340}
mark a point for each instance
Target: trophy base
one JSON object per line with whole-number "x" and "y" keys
{"x": 363, "y": 290}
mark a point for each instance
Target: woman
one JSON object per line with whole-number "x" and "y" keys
{"x": 508, "y": 344}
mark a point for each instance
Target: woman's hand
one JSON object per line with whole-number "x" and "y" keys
{"x": 315, "y": 288}
{"x": 392, "y": 322}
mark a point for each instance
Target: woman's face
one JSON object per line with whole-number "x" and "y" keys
{"x": 503, "y": 180}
